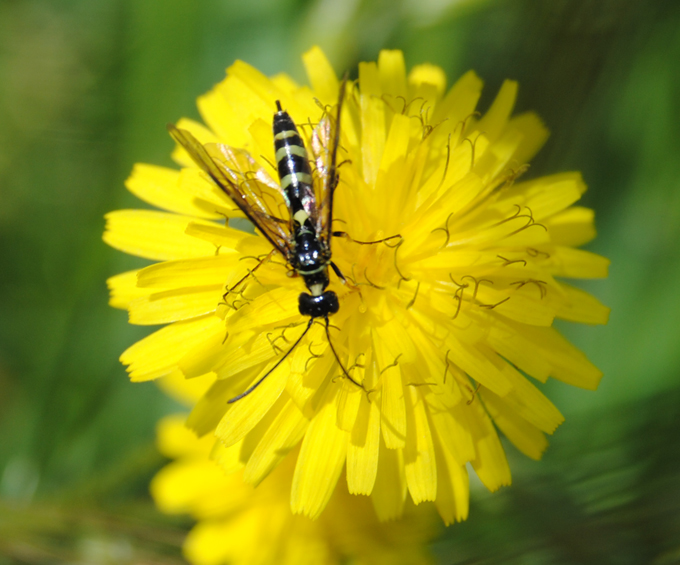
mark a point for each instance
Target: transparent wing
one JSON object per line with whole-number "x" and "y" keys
{"x": 325, "y": 142}
{"x": 245, "y": 182}
{"x": 263, "y": 194}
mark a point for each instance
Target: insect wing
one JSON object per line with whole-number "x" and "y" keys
{"x": 262, "y": 194}
{"x": 325, "y": 145}
{"x": 321, "y": 140}
{"x": 246, "y": 184}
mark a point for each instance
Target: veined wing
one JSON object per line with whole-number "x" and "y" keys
{"x": 325, "y": 144}
{"x": 245, "y": 182}
{"x": 262, "y": 193}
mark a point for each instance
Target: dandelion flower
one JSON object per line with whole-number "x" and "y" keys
{"x": 241, "y": 525}
{"x": 446, "y": 329}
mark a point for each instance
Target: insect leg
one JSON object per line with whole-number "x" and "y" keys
{"x": 251, "y": 273}
{"x": 347, "y": 236}
{"x": 258, "y": 383}
{"x": 338, "y": 272}
{"x": 335, "y": 354}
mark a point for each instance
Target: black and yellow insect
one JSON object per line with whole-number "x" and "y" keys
{"x": 304, "y": 239}
{"x": 310, "y": 250}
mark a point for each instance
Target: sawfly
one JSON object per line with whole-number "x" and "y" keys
{"x": 304, "y": 238}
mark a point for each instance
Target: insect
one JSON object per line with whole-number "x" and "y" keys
{"x": 304, "y": 240}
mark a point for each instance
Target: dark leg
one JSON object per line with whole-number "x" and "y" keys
{"x": 347, "y": 236}
{"x": 252, "y": 388}
{"x": 338, "y": 272}
{"x": 328, "y": 336}
{"x": 250, "y": 273}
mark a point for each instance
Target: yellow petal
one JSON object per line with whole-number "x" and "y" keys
{"x": 160, "y": 187}
{"x": 209, "y": 409}
{"x": 321, "y": 75}
{"x": 392, "y": 73}
{"x": 453, "y": 490}
{"x": 225, "y": 239}
{"x": 453, "y": 429}
{"x": 511, "y": 343}
{"x": 186, "y": 391}
{"x": 459, "y": 103}
{"x": 260, "y": 86}
{"x": 579, "y": 306}
{"x": 204, "y": 271}
{"x": 228, "y": 458}
{"x": 158, "y": 354}
{"x": 492, "y": 160}
{"x": 419, "y": 457}
{"x": 124, "y": 289}
{"x": 389, "y": 492}
{"x": 363, "y": 449}
{"x": 392, "y": 179}
{"x": 242, "y": 415}
{"x": 568, "y": 363}
{"x": 271, "y": 308}
{"x": 529, "y": 403}
{"x": 481, "y": 364}
{"x": 526, "y": 302}
{"x": 226, "y": 353}
{"x": 527, "y": 438}
{"x": 577, "y": 263}
{"x": 490, "y": 463}
{"x": 153, "y": 235}
{"x": 305, "y": 383}
{"x": 372, "y": 122}
{"x": 283, "y": 435}
{"x": 533, "y": 133}
{"x": 173, "y": 305}
{"x": 234, "y": 104}
{"x": 496, "y": 117}
{"x": 348, "y": 408}
{"x": 573, "y": 226}
{"x": 393, "y": 411}
{"x": 544, "y": 196}
{"x": 180, "y": 486}
{"x": 427, "y": 75}
{"x": 237, "y": 539}
{"x": 174, "y": 439}
{"x": 319, "y": 464}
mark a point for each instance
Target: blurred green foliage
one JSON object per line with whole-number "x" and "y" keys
{"x": 86, "y": 89}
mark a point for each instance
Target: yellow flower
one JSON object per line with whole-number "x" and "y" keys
{"x": 241, "y": 525}
{"x": 445, "y": 327}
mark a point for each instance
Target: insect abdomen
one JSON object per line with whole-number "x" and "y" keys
{"x": 291, "y": 160}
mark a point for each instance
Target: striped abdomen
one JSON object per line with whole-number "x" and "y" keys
{"x": 293, "y": 166}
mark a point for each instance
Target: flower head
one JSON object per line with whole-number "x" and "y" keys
{"x": 453, "y": 274}
{"x": 241, "y": 525}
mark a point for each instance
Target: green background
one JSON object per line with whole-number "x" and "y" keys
{"x": 86, "y": 88}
